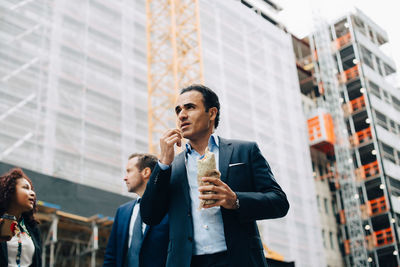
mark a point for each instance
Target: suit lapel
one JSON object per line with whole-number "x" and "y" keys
{"x": 225, "y": 153}
{"x": 146, "y": 230}
{"x": 179, "y": 172}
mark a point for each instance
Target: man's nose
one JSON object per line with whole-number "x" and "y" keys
{"x": 182, "y": 115}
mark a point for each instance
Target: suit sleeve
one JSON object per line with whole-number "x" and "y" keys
{"x": 110, "y": 257}
{"x": 155, "y": 200}
{"x": 268, "y": 200}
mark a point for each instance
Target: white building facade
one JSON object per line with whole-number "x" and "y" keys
{"x": 74, "y": 98}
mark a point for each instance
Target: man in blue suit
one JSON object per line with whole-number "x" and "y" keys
{"x": 132, "y": 243}
{"x": 224, "y": 233}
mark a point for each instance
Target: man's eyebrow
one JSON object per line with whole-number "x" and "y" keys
{"x": 187, "y": 105}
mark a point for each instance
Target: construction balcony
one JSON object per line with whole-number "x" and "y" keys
{"x": 342, "y": 41}
{"x": 380, "y": 234}
{"x": 367, "y": 171}
{"x": 380, "y": 238}
{"x": 354, "y": 106}
{"x": 375, "y": 240}
{"x": 349, "y": 75}
{"x": 377, "y": 206}
{"x": 383, "y": 237}
{"x": 361, "y": 137}
{"x": 372, "y": 208}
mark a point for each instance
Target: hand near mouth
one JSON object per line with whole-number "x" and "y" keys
{"x": 167, "y": 142}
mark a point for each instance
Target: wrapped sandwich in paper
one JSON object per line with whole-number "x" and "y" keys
{"x": 206, "y": 167}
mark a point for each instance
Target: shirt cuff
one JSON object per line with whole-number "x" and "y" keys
{"x": 163, "y": 166}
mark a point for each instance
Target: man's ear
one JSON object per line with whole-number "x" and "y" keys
{"x": 213, "y": 113}
{"x": 146, "y": 172}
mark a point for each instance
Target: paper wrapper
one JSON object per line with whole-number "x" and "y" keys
{"x": 206, "y": 167}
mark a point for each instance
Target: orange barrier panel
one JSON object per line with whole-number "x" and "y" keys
{"x": 364, "y": 135}
{"x": 321, "y": 133}
{"x": 371, "y": 169}
{"x": 367, "y": 170}
{"x": 343, "y": 40}
{"x": 354, "y": 105}
{"x": 346, "y": 244}
{"x": 314, "y": 128}
{"x": 360, "y": 137}
{"x": 351, "y": 73}
{"x": 342, "y": 217}
{"x": 330, "y": 132}
{"x": 383, "y": 237}
{"x": 357, "y": 104}
{"x": 377, "y": 206}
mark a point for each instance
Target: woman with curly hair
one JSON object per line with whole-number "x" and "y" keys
{"x": 18, "y": 199}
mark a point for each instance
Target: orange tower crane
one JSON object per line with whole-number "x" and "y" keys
{"x": 174, "y": 59}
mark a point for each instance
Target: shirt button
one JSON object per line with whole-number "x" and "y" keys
{"x": 189, "y": 214}
{"x": 205, "y": 226}
{"x": 190, "y": 239}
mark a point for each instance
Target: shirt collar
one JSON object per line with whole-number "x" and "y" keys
{"x": 213, "y": 141}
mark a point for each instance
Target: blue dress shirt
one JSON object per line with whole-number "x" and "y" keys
{"x": 208, "y": 226}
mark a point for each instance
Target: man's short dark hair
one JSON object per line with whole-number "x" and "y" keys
{"x": 144, "y": 160}
{"x": 210, "y": 98}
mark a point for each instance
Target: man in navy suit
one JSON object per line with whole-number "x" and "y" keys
{"x": 220, "y": 234}
{"x": 132, "y": 243}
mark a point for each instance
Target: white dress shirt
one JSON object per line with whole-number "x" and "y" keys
{"x": 132, "y": 222}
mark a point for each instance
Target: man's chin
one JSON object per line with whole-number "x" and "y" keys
{"x": 186, "y": 134}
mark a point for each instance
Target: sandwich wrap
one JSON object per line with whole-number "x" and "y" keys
{"x": 206, "y": 167}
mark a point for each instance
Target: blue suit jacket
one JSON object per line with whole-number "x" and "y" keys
{"x": 155, "y": 240}
{"x": 247, "y": 173}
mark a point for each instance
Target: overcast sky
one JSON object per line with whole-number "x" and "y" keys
{"x": 297, "y": 16}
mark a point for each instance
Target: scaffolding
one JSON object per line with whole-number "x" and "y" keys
{"x": 328, "y": 84}
{"x": 70, "y": 239}
{"x": 73, "y": 94}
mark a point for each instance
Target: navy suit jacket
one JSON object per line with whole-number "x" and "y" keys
{"x": 153, "y": 252}
{"x": 247, "y": 173}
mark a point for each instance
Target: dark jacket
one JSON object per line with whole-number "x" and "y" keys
{"x": 247, "y": 173}
{"x": 37, "y": 256}
{"x": 153, "y": 252}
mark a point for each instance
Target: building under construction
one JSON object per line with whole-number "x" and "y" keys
{"x": 354, "y": 130}
{"x": 86, "y": 83}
